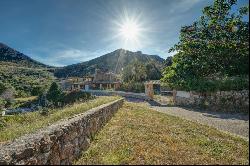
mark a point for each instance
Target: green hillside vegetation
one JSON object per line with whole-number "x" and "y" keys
{"x": 21, "y": 75}
{"x": 115, "y": 61}
{"x": 24, "y": 81}
{"x": 8, "y": 54}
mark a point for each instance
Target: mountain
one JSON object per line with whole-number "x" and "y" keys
{"x": 23, "y": 75}
{"x": 8, "y": 54}
{"x": 29, "y": 77}
{"x": 115, "y": 61}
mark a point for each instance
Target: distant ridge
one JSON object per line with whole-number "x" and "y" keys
{"x": 114, "y": 61}
{"x": 8, "y": 54}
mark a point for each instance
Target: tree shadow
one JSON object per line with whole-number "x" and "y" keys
{"x": 217, "y": 114}
{"x": 205, "y": 112}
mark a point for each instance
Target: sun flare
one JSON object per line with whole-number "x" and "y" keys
{"x": 130, "y": 30}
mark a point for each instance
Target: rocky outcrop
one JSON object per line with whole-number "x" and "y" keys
{"x": 60, "y": 143}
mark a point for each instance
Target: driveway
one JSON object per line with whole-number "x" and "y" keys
{"x": 234, "y": 123}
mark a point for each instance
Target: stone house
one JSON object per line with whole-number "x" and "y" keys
{"x": 100, "y": 80}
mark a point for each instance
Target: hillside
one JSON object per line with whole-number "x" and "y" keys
{"x": 8, "y": 54}
{"x": 114, "y": 61}
{"x": 29, "y": 77}
{"x": 22, "y": 74}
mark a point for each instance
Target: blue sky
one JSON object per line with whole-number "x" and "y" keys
{"x": 63, "y": 32}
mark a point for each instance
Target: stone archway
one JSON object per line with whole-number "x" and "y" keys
{"x": 149, "y": 88}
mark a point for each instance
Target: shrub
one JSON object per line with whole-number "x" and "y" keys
{"x": 44, "y": 111}
{"x": 37, "y": 90}
{"x": 55, "y": 94}
{"x": 212, "y": 85}
{"x": 9, "y": 103}
{"x": 2, "y": 103}
{"x": 136, "y": 87}
{"x": 2, "y": 123}
{"x": 2, "y": 88}
{"x": 75, "y": 96}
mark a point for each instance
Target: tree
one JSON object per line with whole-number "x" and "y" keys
{"x": 153, "y": 73}
{"x": 2, "y": 88}
{"x": 139, "y": 72}
{"x": 37, "y": 90}
{"x": 134, "y": 72}
{"x": 215, "y": 46}
{"x": 168, "y": 61}
{"x": 54, "y": 94}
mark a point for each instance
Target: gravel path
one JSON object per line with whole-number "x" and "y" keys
{"x": 233, "y": 123}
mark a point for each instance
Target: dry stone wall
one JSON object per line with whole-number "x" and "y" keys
{"x": 60, "y": 143}
{"x": 118, "y": 93}
{"x": 230, "y": 101}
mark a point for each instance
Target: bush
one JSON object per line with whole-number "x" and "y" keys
{"x": 236, "y": 83}
{"x": 212, "y": 85}
{"x": 9, "y": 103}
{"x": 74, "y": 96}
{"x": 2, "y": 103}
{"x": 44, "y": 111}
{"x": 2, "y": 123}
{"x": 2, "y": 88}
{"x": 136, "y": 87}
{"x": 37, "y": 90}
{"x": 55, "y": 94}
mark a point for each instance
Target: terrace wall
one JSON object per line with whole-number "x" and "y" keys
{"x": 230, "y": 101}
{"x": 141, "y": 96}
{"x": 60, "y": 143}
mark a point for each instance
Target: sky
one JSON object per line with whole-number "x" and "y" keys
{"x": 64, "y": 32}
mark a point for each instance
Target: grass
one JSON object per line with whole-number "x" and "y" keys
{"x": 138, "y": 135}
{"x": 19, "y": 102}
{"x": 17, "y": 125}
{"x": 26, "y": 99}
{"x": 168, "y": 100}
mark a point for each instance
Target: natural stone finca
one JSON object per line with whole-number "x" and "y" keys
{"x": 230, "y": 101}
{"x": 60, "y": 143}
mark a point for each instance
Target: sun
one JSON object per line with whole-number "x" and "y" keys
{"x": 130, "y": 30}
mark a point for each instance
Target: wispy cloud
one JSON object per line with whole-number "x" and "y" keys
{"x": 183, "y": 5}
{"x": 64, "y": 57}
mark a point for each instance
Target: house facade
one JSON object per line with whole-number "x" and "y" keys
{"x": 100, "y": 80}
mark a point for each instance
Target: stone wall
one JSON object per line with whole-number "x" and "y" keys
{"x": 60, "y": 143}
{"x": 230, "y": 101}
{"x": 104, "y": 76}
{"x": 141, "y": 96}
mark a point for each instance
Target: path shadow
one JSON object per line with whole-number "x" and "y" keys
{"x": 135, "y": 100}
{"x": 219, "y": 115}
{"x": 207, "y": 113}
{"x": 151, "y": 102}
{"x": 156, "y": 103}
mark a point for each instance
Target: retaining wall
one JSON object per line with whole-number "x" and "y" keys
{"x": 230, "y": 101}
{"x": 60, "y": 143}
{"x": 118, "y": 93}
